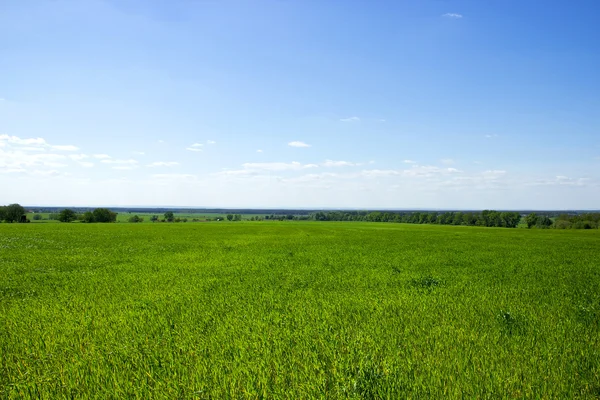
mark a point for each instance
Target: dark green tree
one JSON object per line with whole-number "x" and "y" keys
{"x": 136, "y": 218}
{"x": 104, "y": 215}
{"x": 229, "y": 217}
{"x": 543, "y": 222}
{"x": 13, "y": 213}
{"x": 531, "y": 220}
{"x": 169, "y": 216}
{"x": 67, "y": 215}
{"x": 87, "y": 216}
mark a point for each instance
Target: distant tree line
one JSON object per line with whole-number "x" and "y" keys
{"x": 505, "y": 219}
{"x": 580, "y": 221}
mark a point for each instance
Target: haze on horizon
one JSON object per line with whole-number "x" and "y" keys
{"x": 301, "y": 104}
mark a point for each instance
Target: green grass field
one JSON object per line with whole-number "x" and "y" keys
{"x": 297, "y": 310}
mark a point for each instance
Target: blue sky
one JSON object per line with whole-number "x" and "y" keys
{"x": 286, "y": 103}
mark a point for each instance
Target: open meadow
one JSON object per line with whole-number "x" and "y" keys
{"x": 298, "y": 310}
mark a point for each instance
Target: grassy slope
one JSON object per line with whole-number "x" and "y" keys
{"x": 297, "y": 310}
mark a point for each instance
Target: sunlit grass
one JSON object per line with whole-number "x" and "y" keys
{"x": 297, "y": 310}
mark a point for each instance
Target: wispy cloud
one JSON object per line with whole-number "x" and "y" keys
{"x": 409, "y": 162}
{"x": 259, "y": 151}
{"x": 16, "y": 160}
{"x": 23, "y": 142}
{"x": 195, "y": 147}
{"x": 211, "y": 142}
{"x": 34, "y": 143}
{"x": 416, "y": 171}
{"x": 163, "y": 164}
{"x": 120, "y": 162}
{"x": 278, "y": 166}
{"x": 350, "y": 119}
{"x": 101, "y": 156}
{"x": 65, "y": 148}
{"x": 331, "y": 163}
{"x": 452, "y": 15}
{"x": 139, "y": 153}
{"x": 491, "y": 136}
{"x": 78, "y": 157}
{"x": 563, "y": 181}
{"x": 298, "y": 144}
{"x": 174, "y": 176}
{"x": 447, "y": 161}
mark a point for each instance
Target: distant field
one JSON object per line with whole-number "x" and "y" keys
{"x": 298, "y": 310}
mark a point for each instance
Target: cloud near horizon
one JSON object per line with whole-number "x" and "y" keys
{"x": 298, "y": 144}
{"x": 452, "y": 15}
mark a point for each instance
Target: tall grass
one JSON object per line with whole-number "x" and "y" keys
{"x": 297, "y": 310}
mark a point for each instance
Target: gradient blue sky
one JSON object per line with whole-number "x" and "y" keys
{"x": 298, "y": 103}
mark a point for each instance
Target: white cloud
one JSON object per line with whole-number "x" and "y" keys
{"x": 278, "y": 166}
{"x": 101, "y": 156}
{"x": 86, "y": 164}
{"x": 160, "y": 141}
{"x": 416, "y": 171}
{"x": 452, "y": 15}
{"x": 174, "y": 176}
{"x": 139, "y": 153}
{"x": 45, "y": 172}
{"x": 350, "y": 119}
{"x": 120, "y": 162}
{"x": 259, "y": 151}
{"x": 65, "y": 148}
{"x": 331, "y": 163}
{"x": 494, "y": 172}
{"x": 211, "y": 142}
{"x": 380, "y": 172}
{"x": 35, "y": 144}
{"x": 24, "y": 142}
{"x": 124, "y": 167}
{"x": 409, "y": 162}
{"x": 28, "y": 148}
{"x": 298, "y": 144}
{"x": 562, "y": 181}
{"x": 195, "y": 147}
{"x": 163, "y": 164}
{"x": 15, "y": 159}
{"x": 237, "y": 172}
{"x": 313, "y": 177}
{"x": 78, "y": 157}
